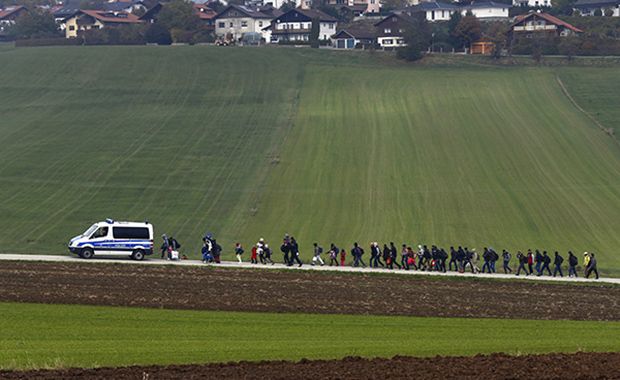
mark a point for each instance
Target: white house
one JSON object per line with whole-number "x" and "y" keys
{"x": 236, "y": 20}
{"x": 589, "y": 7}
{"x": 296, "y": 24}
{"x": 487, "y": 10}
{"x": 435, "y": 10}
{"x": 532, "y": 3}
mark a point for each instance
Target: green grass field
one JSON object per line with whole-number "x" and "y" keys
{"x": 39, "y": 336}
{"x": 327, "y": 146}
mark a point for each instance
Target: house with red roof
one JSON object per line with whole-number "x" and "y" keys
{"x": 84, "y": 20}
{"x": 8, "y": 16}
{"x": 539, "y": 22}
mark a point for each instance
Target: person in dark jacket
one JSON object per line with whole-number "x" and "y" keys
{"x": 394, "y": 255}
{"x": 387, "y": 257}
{"x": 285, "y": 248}
{"x": 294, "y": 252}
{"x": 572, "y": 264}
{"x": 357, "y": 253}
{"x": 538, "y": 260}
{"x": 592, "y": 266}
{"x": 557, "y": 264}
{"x": 404, "y": 257}
{"x": 487, "y": 260}
{"x": 165, "y": 247}
{"x": 494, "y": 258}
{"x": 460, "y": 258}
{"x": 469, "y": 255}
{"x": 522, "y": 259}
{"x": 453, "y": 260}
{"x": 217, "y": 251}
{"x": 506, "y": 259}
{"x": 546, "y": 260}
{"x": 443, "y": 256}
{"x": 333, "y": 254}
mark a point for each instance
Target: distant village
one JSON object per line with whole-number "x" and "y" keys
{"x": 337, "y": 24}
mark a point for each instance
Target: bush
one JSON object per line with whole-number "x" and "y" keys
{"x": 203, "y": 36}
{"x": 181, "y": 36}
{"x": 61, "y": 41}
{"x": 157, "y": 34}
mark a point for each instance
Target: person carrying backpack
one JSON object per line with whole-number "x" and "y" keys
{"x": 267, "y": 253}
{"x": 591, "y": 266}
{"x": 487, "y": 260}
{"x": 285, "y": 248}
{"x": 165, "y": 247}
{"x": 557, "y": 264}
{"x": 394, "y": 255}
{"x": 217, "y": 251}
{"x": 294, "y": 252}
{"x": 238, "y": 251}
{"x": 318, "y": 250}
{"x": 357, "y": 253}
{"x": 506, "y": 257}
{"x": 333, "y": 254}
{"x": 522, "y": 259}
{"x": 546, "y": 260}
{"x": 538, "y": 260}
{"x": 207, "y": 257}
{"x": 572, "y": 264}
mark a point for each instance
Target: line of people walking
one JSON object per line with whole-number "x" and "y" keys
{"x": 460, "y": 259}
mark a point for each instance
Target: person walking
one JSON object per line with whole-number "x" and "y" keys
{"x": 394, "y": 254}
{"x": 217, "y": 250}
{"x": 165, "y": 247}
{"x": 404, "y": 256}
{"x": 206, "y": 253}
{"x": 294, "y": 252}
{"x": 411, "y": 259}
{"x": 254, "y": 253}
{"x": 267, "y": 253}
{"x": 469, "y": 257}
{"x": 586, "y": 262}
{"x": 443, "y": 256}
{"x": 333, "y": 255}
{"x": 557, "y": 264}
{"x": 538, "y": 260}
{"x": 530, "y": 260}
{"x": 460, "y": 259}
{"x": 506, "y": 258}
{"x": 572, "y": 264}
{"x": 357, "y": 253}
{"x": 546, "y": 260}
{"x": 522, "y": 259}
{"x": 238, "y": 252}
{"x": 260, "y": 250}
{"x": 318, "y": 250}
{"x": 591, "y": 266}
{"x": 453, "y": 259}
{"x": 487, "y": 258}
{"x": 494, "y": 258}
{"x": 378, "y": 259}
{"x": 373, "y": 256}
{"x": 343, "y": 257}
{"x": 285, "y": 248}
{"x": 387, "y": 257}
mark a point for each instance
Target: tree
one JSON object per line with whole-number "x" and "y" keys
{"x": 287, "y": 6}
{"x": 417, "y": 37}
{"x": 563, "y": 7}
{"x": 454, "y": 21}
{"x": 496, "y": 33}
{"x": 569, "y": 46}
{"x": 609, "y": 12}
{"x": 598, "y": 12}
{"x": 158, "y": 34}
{"x": 178, "y": 14}
{"x": 35, "y": 24}
{"x": 468, "y": 30}
{"x": 314, "y": 33}
{"x": 390, "y": 5}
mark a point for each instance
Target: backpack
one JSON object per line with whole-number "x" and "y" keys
{"x": 320, "y": 250}
{"x": 560, "y": 259}
{"x": 573, "y": 261}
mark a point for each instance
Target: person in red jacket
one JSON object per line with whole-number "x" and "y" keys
{"x": 343, "y": 257}
{"x": 530, "y": 260}
{"x": 254, "y": 254}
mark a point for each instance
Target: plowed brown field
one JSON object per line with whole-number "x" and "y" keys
{"x": 497, "y": 366}
{"x": 289, "y": 291}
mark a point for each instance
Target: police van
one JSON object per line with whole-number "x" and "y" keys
{"x": 114, "y": 238}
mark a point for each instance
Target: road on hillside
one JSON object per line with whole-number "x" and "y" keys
{"x": 305, "y": 267}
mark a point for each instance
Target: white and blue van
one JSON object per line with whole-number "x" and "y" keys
{"x": 114, "y": 238}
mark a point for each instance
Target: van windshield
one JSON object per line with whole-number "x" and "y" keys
{"x": 89, "y": 231}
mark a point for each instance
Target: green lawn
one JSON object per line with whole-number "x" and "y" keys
{"x": 35, "y": 336}
{"x": 324, "y": 145}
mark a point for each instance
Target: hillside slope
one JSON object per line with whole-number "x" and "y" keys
{"x": 257, "y": 142}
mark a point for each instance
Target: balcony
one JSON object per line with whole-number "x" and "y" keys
{"x": 531, "y": 28}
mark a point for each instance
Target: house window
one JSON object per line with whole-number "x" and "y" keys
{"x": 231, "y": 24}
{"x": 331, "y": 26}
{"x": 401, "y": 30}
{"x": 260, "y": 24}
{"x": 221, "y": 24}
{"x": 71, "y": 27}
{"x": 432, "y": 15}
{"x": 394, "y": 19}
{"x": 387, "y": 30}
{"x": 443, "y": 14}
{"x": 387, "y": 42}
{"x": 244, "y": 24}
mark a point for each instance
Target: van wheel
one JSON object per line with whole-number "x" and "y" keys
{"x": 138, "y": 255}
{"x": 87, "y": 253}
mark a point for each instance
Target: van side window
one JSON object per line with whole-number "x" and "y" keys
{"x": 101, "y": 232}
{"x": 131, "y": 233}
